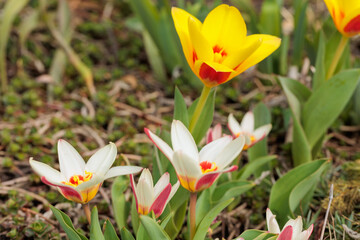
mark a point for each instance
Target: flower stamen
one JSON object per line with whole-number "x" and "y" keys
{"x": 76, "y": 180}
{"x": 208, "y": 167}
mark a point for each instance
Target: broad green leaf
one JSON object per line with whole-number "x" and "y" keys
{"x": 110, "y": 232}
{"x": 253, "y": 166}
{"x": 296, "y": 93}
{"x": 204, "y": 225}
{"x": 254, "y": 234}
{"x": 180, "y": 109}
{"x": 27, "y": 25}
{"x": 331, "y": 44}
{"x": 284, "y": 54}
{"x": 203, "y": 205}
{"x": 95, "y": 229}
{"x": 153, "y": 229}
{"x": 300, "y": 147}
{"x": 356, "y": 100}
{"x": 176, "y": 222}
{"x": 205, "y": 118}
{"x": 262, "y": 116}
{"x": 283, "y": 198}
{"x": 231, "y": 189}
{"x": 320, "y": 71}
{"x": 66, "y": 225}
{"x": 120, "y": 205}
{"x": 326, "y": 104}
{"x": 126, "y": 235}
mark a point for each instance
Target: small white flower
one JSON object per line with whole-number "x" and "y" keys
{"x": 79, "y": 181}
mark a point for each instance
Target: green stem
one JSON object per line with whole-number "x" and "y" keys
{"x": 87, "y": 212}
{"x": 193, "y": 197}
{"x": 199, "y": 108}
{"x": 337, "y": 56}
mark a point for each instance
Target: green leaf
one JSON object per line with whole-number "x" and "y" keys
{"x": 95, "y": 229}
{"x": 231, "y": 189}
{"x": 256, "y": 234}
{"x": 320, "y": 70}
{"x": 296, "y": 93}
{"x": 126, "y": 235}
{"x": 120, "y": 205}
{"x": 326, "y": 104}
{"x": 134, "y": 216}
{"x": 66, "y": 224}
{"x": 300, "y": 30}
{"x": 203, "y": 205}
{"x": 300, "y": 147}
{"x": 153, "y": 228}
{"x": 204, "y": 225}
{"x": 253, "y": 166}
{"x": 178, "y": 212}
{"x": 110, "y": 232}
{"x": 180, "y": 109}
{"x": 289, "y": 190}
{"x": 206, "y": 117}
{"x": 262, "y": 116}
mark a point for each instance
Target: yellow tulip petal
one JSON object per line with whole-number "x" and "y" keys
{"x": 350, "y": 5}
{"x": 351, "y": 23}
{"x": 269, "y": 45}
{"x": 224, "y": 27}
{"x": 181, "y": 22}
{"x": 201, "y": 45}
{"x": 235, "y": 58}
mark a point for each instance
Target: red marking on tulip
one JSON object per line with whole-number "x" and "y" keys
{"x": 160, "y": 202}
{"x": 211, "y": 76}
{"x": 205, "y": 165}
{"x": 353, "y": 26}
{"x": 286, "y": 234}
{"x": 195, "y": 57}
{"x": 66, "y": 191}
{"x": 206, "y": 181}
{"x": 218, "y": 49}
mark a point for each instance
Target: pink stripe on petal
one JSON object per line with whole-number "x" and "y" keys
{"x": 160, "y": 202}
{"x": 133, "y": 189}
{"x": 310, "y": 230}
{"x": 68, "y": 192}
{"x": 286, "y": 234}
{"x": 206, "y": 181}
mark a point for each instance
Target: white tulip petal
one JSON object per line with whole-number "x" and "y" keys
{"x": 122, "y": 170}
{"x": 296, "y": 224}
{"x": 46, "y": 171}
{"x": 102, "y": 160}
{"x": 185, "y": 165}
{"x": 71, "y": 163}
{"x": 262, "y": 132}
{"x": 234, "y": 125}
{"x": 217, "y": 131}
{"x": 95, "y": 180}
{"x": 230, "y": 152}
{"x": 146, "y": 176}
{"x": 145, "y": 192}
{"x": 161, "y": 144}
{"x": 212, "y": 150}
{"x": 272, "y": 225}
{"x": 247, "y": 123}
{"x": 161, "y": 184}
{"x": 182, "y": 140}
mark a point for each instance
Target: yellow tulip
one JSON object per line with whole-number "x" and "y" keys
{"x": 219, "y": 49}
{"x": 346, "y": 16}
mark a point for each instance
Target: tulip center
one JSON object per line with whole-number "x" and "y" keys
{"x": 219, "y": 54}
{"x": 208, "y": 167}
{"x": 251, "y": 137}
{"x": 79, "y": 179}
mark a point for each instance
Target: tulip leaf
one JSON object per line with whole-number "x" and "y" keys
{"x": 180, "y": 109}
{"x": 326, "y": 104}
{"x": 296, "y": 93}
{"x": 175, "y": 224}
{"x": 134, "y": 216}
{"x": 66, "y": 224}
{"x": 205, "y": 223}
{"x": 206, "y": 117}
{"x": 300, "y": 147}
{"x": 356, "y": 100}
{"x": 256, "y": 234}
{"x": 300, "y": 30}
{"x": 231, "y": 189}
{"x": 153, "y": 229}
{"x": 95, "y": 229}
{"x": 251, "y": 167}
{"x": 120, "y": 205}
{"x": 110, "y": 232}
{"x": 203, "y": 205}
{"x": 262, "y": 117}
{"x": 126, "y": 235}
{"x": 320, "y": 70}
{"x": 290, "y": 189}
